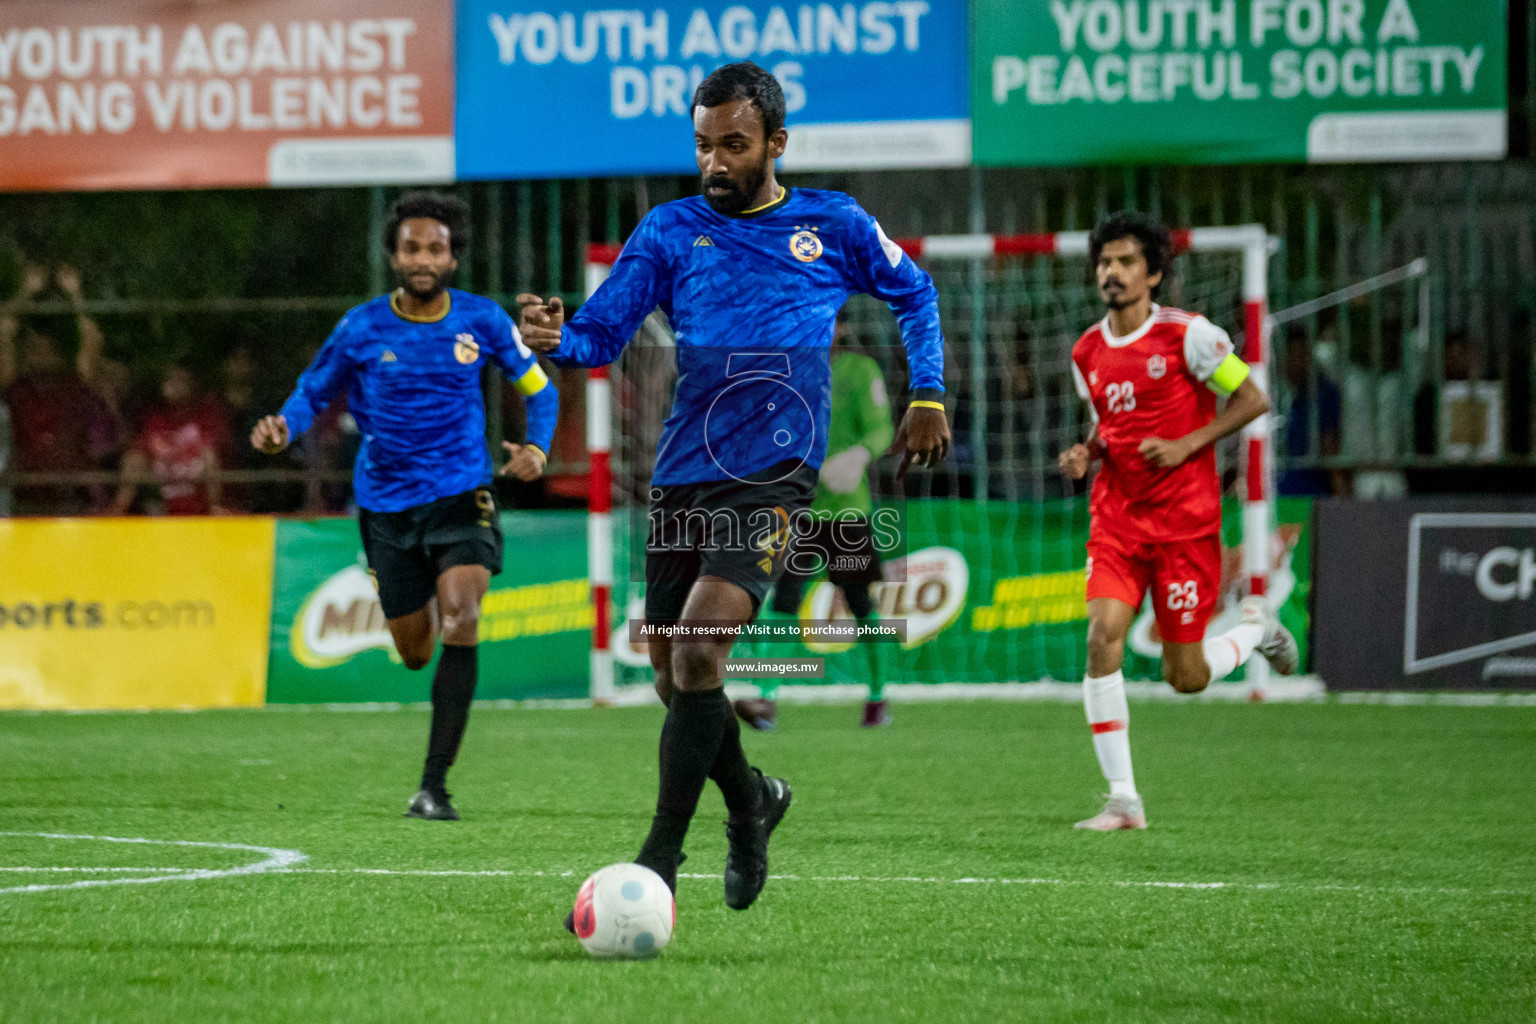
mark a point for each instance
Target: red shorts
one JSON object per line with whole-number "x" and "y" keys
{"x": 1184, "y": 577}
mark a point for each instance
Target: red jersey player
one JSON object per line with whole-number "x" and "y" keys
{"x": 1151, "y": 375}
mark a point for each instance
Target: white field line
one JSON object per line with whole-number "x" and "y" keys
{"x": 922, "y": 880}
{"x": 96, "y": 871}
{"x": 275, "y": 860}
{"x": 287, "y": 862}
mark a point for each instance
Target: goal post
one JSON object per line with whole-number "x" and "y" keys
{"x": 1250, "y": 244}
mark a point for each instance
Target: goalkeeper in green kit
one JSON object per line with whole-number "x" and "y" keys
{"x": 839, "y": 539}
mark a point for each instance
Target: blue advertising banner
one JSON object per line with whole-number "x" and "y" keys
{"x": 553, "y": 88}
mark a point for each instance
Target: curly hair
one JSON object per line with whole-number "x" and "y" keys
{"x": 1152, "y": 234}
{"x": 448, "y": 210}
{"x": 744, "y": 81}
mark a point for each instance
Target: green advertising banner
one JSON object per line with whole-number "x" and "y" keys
{"x": 1072, "y": 82}
{"x": 330, "y": 642}
{"x": 994, "y": 593}
{"x": 990, "y": 593}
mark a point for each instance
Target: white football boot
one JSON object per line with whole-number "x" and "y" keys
{"x": 1120, "y": 812}
{"x": 1278, "y": 646}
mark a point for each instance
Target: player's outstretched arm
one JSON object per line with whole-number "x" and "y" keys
{"x": 320, "y": 382}
{"x": 610, "y": 316}
{"x": 270, "y": 435}
{"x": 1247, "y": 404}
{"x": 880, "y": 268}
{"x": 542, "y": 401}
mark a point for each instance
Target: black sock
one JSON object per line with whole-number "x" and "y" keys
{"x": 452, "y": 690}
{"x": 690, "y": 742}
{"x": 738, "y": 782}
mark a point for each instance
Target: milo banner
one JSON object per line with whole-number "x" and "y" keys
{"x": 1073, "y": 82}
{"x": 330, "y": 642}
{"x": 994, "y": 593}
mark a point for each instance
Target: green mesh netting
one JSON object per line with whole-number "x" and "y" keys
{"x": 994, "y": 539}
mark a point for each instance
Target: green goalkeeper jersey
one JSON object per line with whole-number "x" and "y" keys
{"x": 861, "y": 415}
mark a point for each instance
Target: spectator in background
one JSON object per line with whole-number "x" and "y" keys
{"x": 1308, "y": 392}
{"x": 244, "y": 396}
{"x": 5, "y": 459}
{"x": 51, "y": 405}
{"x": 1025, "y": 421}
{"x": 1522, "y": 348}
{"x": 1457, "y": 363}
{"x": 108, "y": 434}
{"x": 1012, "y": 400}
{"x": 1375, "y": 431}
{"x": 178, "y": 448}
{"x": 327, "y": 448}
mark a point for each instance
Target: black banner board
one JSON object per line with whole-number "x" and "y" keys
{"x": 1425, "y": 595}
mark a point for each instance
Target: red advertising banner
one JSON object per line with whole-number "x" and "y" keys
{"x": 119, "y": 94}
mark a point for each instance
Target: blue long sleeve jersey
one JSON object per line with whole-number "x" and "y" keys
{"x": 752, "y": 300}
{"x": 413, "y": 385}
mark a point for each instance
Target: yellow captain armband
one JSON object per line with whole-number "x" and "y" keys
{"x": 925, "y": 404}
{"x": 1228, "y": 376}
{"x": 532, "y": 382}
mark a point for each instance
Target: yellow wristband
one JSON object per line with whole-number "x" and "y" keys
{"x": 924, "y": 404}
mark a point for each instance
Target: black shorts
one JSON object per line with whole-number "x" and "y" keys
{"x": 408, "y": 550}
{"x": 842, "y": 548}
{"x": 737, "y": 530}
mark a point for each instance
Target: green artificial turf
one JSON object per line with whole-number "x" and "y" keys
{"x": 1377, "y": 861}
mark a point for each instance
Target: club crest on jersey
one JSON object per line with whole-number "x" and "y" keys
{"x": 465, "y": 349}
{"x": 805, "y": 246}
{"x": 1156, "y": 367}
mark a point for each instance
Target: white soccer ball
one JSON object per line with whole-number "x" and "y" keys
{"x": 625, "y": 912}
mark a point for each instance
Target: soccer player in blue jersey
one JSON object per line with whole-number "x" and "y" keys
{"x": 751, "y": 275}
{"x": 410, "y": 363}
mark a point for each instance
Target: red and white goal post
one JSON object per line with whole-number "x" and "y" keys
{"x": 1250, "y": 241}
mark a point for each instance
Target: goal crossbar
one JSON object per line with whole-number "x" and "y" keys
{"x": 1249, "y": 241}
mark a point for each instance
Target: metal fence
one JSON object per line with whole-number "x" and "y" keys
{"x": 1415, "y": 394}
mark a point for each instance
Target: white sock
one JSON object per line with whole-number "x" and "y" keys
{"x": 1109, "y": 717}
{"x": 1224, "y": 653}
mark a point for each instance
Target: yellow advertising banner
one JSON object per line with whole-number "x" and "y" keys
{"x": 134, "y": 613}
{"x": 116, "y": 94}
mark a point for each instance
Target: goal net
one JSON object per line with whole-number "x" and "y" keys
{"x": 989, "y": 574}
